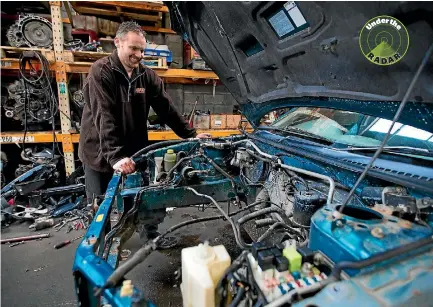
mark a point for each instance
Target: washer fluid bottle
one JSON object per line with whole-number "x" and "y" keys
{"x": 202, "y": 268}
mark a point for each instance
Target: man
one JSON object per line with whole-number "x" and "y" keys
{"x": 118, "y": 93}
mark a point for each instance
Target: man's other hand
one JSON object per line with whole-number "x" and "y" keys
{"x": 204, "y": 136}
{"x": 125, "y": 166}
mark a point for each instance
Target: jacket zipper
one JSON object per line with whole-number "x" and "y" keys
{"x": 127, "y": 79}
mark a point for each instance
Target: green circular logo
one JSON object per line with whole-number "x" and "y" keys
{"x": 384, "y": 40}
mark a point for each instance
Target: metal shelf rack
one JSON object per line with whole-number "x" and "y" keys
{"x": 62, "y": 68}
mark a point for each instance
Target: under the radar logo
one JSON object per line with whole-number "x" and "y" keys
{"x": 384, "y": 40}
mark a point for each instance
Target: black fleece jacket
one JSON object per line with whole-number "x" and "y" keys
{"x": 114, "y": 120}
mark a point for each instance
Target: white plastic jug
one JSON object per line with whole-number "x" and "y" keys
{"x": 202, "y": 268}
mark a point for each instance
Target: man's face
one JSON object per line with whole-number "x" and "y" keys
{"x": 130, "y": 49}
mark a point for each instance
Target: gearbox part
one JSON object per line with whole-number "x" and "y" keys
{"x": 31, "y": 31}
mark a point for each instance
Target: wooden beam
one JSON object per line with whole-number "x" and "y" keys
{"x": 68, "y": 11}
{"x": 134, "y": 5}
{"x": 104, "y": 12}
{"x": 13, "y": 64}
{"x": 186, "y": 73}
{"x": 95, "y": 11}
{"x": 142, "y": 17}
{"x": 159, "y": 30}
{"x": 119, "y": 10}
{"x": 169, "y": 80}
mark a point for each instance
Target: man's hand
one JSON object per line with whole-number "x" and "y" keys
{"x": 204, "y": 136}
{"x": 125, "y": 166}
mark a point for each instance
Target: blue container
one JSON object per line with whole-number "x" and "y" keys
{"x": 156, "y": 52}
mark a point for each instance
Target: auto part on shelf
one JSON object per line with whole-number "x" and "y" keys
{"x": 74, "y": 45}
{"x": 38, "y": 108}
{"x": 31, "y": 31}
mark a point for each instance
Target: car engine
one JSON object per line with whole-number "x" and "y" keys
{"x": 303, "y": 242}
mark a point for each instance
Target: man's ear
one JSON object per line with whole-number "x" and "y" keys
{"x": 116, "y": 42}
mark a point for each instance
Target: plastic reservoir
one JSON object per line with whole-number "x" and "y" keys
{"x": 202, "y": 268}
{"x": 169, "y": 160}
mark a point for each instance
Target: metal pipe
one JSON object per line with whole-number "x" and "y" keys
{"x": 27, "y": 238}
{"x": 295, "y": 169}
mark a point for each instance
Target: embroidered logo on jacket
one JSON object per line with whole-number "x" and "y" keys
{"x": 139, "y": 90}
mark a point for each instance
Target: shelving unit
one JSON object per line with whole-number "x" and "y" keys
{"x": 58, "y": 59}
{"x": 48, "y": 136}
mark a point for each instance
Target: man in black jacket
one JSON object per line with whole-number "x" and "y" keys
{"x": 118, "y": 93}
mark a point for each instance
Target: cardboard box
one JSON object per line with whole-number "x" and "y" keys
{"x": 201, "y": 121}
{"x": 233, "y": 121}
{"x": 245, "y": 123}
{"x": 218, "y": 121}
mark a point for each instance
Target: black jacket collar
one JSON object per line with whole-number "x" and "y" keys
{"x": 115, "y": 63}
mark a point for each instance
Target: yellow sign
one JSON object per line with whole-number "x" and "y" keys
{"x": 384, "y": 40}
{"x": 99, "y": 217}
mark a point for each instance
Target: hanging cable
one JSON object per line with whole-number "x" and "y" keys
{"x": 40, "y": 83}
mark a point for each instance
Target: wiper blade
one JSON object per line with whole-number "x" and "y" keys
{"x": 392, "y": 149}
{"x": 298, "y": 132}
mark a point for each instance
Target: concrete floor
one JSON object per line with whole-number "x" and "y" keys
{"x": 53, "y": 284}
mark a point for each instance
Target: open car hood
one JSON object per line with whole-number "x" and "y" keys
{"x": 268, "y": 61}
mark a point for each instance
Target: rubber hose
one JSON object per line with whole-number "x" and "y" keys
{"x": 156, "y": 146}
{"x": 132, "y": 262}
{"x": 380, "y": 257}
{"x": 238, "y": 298}
{"x": 272, "y": 228}
{"x": 255, "y": 214}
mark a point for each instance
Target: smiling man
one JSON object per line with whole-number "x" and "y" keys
{"x": 118, "y": 93}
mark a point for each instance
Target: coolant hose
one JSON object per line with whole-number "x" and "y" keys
{"x": 158, "y": 145}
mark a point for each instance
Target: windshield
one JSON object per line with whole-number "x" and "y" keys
{"x": 352, "y": 129}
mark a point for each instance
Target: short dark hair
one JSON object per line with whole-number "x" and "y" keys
{"x": 129, "y": 26}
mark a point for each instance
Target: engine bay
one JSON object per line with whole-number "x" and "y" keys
{"x": 304, "y": 236}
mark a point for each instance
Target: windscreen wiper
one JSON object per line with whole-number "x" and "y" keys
{"x": 405, "y": 150}
{"x": 298, "y": 132}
